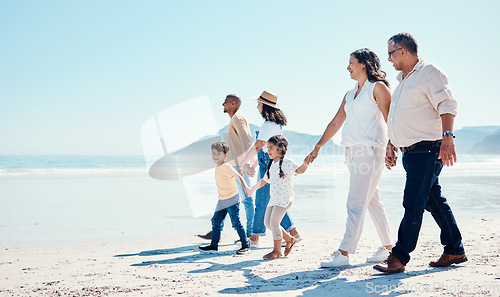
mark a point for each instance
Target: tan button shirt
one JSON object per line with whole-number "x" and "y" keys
{"x": 239, "y": 138}
{"x": 225, "y": 179}
{"x": 417, "y": 105}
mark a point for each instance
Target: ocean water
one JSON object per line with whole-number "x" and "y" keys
{"x": 76, "y": 166}
{"x": 81, "y": 197}
{"x": 25, "y": 166}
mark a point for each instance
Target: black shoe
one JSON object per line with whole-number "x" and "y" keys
{"x": 238, "y": 241}
{"x": 243, "y": 251}
{"x": 207, "y": 236}
{"x": 208, "y": 249}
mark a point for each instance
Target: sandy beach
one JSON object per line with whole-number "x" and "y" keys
{"x": 162, "y": 266}
{"x": 134, "y": 236}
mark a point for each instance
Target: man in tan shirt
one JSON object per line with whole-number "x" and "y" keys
{"x": 239, "y": 139}
{"x": 239, "y": 136}
{"x": 420, "y": 124}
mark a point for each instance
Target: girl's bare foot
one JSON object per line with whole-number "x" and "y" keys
{"x": 289, "y": 245}
{"x": 272, "y": 255}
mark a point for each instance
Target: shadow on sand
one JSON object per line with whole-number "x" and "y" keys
{"x": 183, "y": 259}
{"x": 320, "y": 282}
{"x": 183, "y": 249}
{"x": 324, "y": 285}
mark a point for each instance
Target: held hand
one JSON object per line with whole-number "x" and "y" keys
{"x": 250, "y": 171}
{"x": 247, "y": 191}
{"x": 312, "y": 156}
{"x": 240, "y": 170}
{"x": 391, "y": 156}
{"x": 447, "y": 152}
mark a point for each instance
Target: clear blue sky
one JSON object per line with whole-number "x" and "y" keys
{"x": 81, "y": 77}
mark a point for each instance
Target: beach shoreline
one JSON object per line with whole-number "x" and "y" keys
{"x": 161, "y": 266}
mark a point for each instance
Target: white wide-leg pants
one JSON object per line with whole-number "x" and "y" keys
{"x": 365, "y": 164}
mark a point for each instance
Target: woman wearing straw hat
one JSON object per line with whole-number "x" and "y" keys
{"x": 274, "y": 121}
{"x": 364, "y": 110}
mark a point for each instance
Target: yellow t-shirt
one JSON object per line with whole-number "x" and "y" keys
{"x": 225, "y": 180}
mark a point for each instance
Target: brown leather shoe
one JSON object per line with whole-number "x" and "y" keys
{"x": 391, "y": 265}
{"x": 446, "y": 260}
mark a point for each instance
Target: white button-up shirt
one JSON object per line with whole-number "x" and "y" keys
{"x": 417, "y": 105}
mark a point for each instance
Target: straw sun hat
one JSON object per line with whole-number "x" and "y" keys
{"x": 269, "y": 98}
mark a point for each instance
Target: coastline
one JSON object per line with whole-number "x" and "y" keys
{"x": 162, "y": 266}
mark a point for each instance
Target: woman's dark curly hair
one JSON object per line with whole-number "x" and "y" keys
{"x": 274, "y": 115}
{"x": 280, "y": 142}
{"x": 372, "y": 63}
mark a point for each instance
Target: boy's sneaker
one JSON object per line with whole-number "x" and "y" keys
{"x": 243, "y": 251}
{"x": 380, "y": 255}
{"x": 207, "y": 236}
{"x": 238, "y": 242}
{"x": 335, "y": 260}
{"x": 208, "y": 249}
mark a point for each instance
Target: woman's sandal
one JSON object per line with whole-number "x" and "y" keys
{"x": 272, "y": 255}
{"x": 289, "y": 245}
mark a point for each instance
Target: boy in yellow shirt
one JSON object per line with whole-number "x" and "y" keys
{"x": 225, "y": 179}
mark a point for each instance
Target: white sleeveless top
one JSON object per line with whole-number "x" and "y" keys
{"x": 364, "y": 123}
{"x": 267, "y": 130}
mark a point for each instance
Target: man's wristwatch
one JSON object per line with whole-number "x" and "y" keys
{"x": 448, "y": 133}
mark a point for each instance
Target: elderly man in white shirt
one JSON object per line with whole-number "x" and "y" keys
{"x": 420, "y": 124}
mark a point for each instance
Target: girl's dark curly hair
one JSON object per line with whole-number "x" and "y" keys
{"x": 372, "y": 63}
{"x": 280, "y": 142}
{"x": 274, "y": 115}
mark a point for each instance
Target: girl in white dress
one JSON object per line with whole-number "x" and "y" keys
{"x": 280, "y": 174}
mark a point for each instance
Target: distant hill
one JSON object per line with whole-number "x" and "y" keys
{"x": 467, "y": 137}
{"x": 303, "y": 144}
{"x": 489, "y": 145}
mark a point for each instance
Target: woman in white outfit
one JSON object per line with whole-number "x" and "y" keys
{"x": 364, "y": 110}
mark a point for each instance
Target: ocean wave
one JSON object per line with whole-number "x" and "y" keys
{"x": 71, "y": 171}
{"x": 100, "y": 166}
